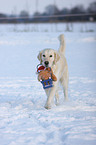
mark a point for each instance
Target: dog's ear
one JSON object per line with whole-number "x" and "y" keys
{"x": 56, "y": 57}
{"x": 40, "y": 56}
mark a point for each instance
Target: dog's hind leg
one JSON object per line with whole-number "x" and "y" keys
{"x": 57, "y": 98}
{"x": 64, "y": 83}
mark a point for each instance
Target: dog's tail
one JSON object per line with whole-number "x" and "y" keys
{"x": 62, "y": 44}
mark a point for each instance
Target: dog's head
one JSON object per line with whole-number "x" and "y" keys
{"x": 48, "y": 57}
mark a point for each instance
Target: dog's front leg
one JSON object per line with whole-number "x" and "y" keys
{"x": 50, "y": 95}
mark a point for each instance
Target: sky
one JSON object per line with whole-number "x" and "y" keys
{"x": 16, "y": 6}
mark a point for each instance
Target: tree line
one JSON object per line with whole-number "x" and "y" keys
{"x": 53, "y": 14}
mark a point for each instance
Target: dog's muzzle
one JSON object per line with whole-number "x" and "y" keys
{"x": 46, "y": 63}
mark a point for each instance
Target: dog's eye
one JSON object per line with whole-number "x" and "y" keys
{"x": 43, "y": 55}
{"x": 50, "y": 55}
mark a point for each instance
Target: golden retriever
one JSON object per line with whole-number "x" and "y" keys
{"x": 57, "y": 61}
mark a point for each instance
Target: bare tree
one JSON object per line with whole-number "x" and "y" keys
{"x": 24, "y": 13}
{"x": 51, "y": 10}
{"x": 92, "y": 7}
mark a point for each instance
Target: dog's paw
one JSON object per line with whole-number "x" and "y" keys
{"x": 47, "y": 106}
{"x": 57, "y": 103}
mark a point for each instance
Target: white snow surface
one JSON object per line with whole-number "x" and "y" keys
{"x": 23, "y": 118}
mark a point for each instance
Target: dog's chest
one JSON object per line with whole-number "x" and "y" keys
{"x": 54, "y": 68}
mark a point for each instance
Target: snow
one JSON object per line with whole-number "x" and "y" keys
{"x": 23, "y": 118}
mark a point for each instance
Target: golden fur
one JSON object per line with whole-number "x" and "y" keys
{"x": 57, "y": 61}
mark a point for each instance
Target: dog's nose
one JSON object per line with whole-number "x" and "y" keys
{"x": 46, "y": 63}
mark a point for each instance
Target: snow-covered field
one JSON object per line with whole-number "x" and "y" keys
{"x": 23, "y": 118}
